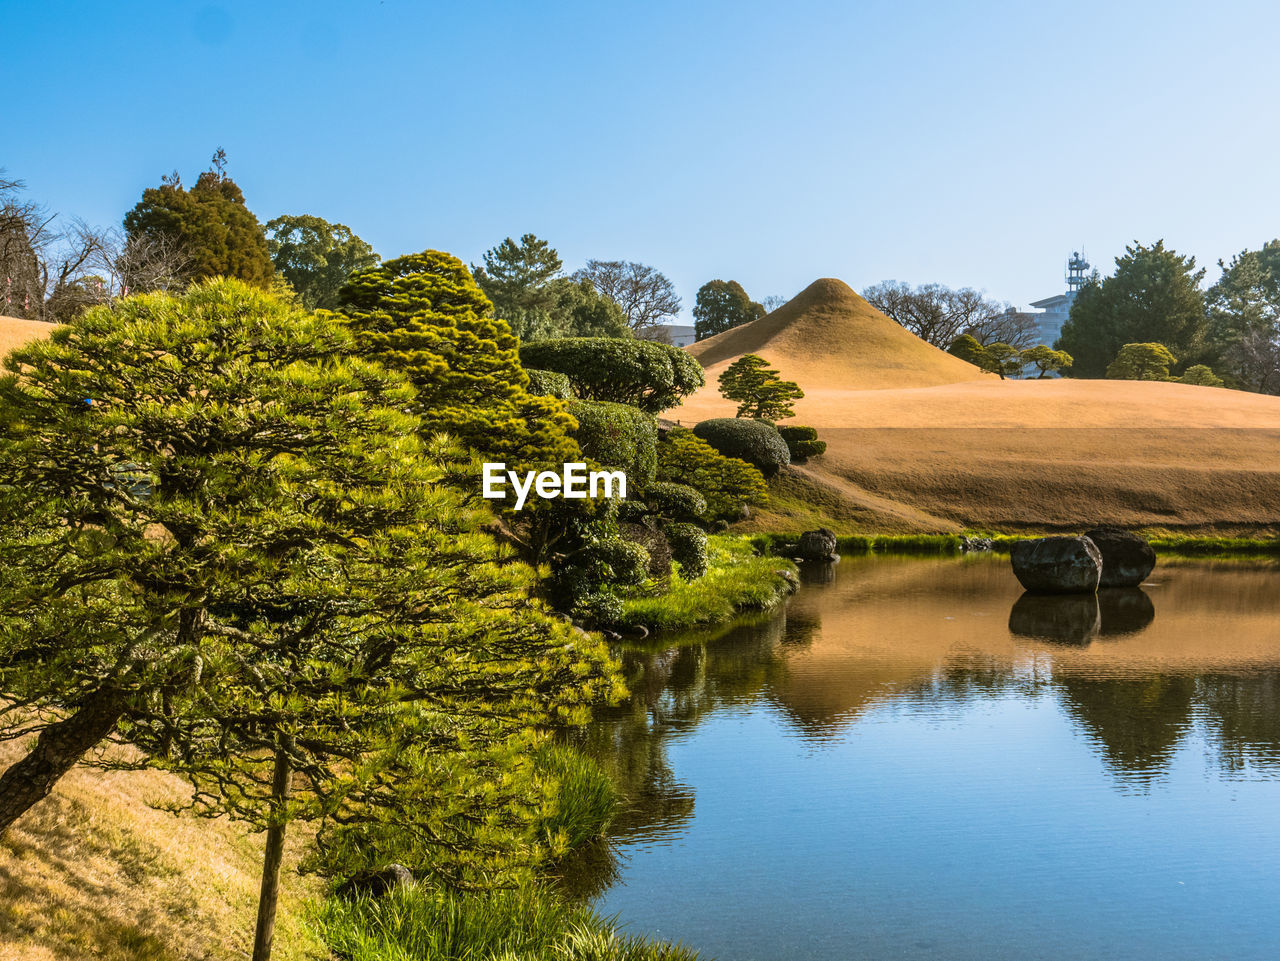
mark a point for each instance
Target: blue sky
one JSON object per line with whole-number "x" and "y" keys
{"x": 972, "y": 143}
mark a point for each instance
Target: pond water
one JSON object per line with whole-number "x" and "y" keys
{"x": 914, "y": 761}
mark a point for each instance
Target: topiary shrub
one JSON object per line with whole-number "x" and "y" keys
{"x": 654, "y": 543}
{"x": 802, "y": 442}
{"x": 754, "y": 441}
{"x": 641, "y": 373}
{"x": 726, "y": 482}
{"x": 549, "y": 383}
{"x": 582, "y": 583}
{"x": 688, "y": 549}
{"x": 619, "y": 437}
{"x": 677, "y": 501}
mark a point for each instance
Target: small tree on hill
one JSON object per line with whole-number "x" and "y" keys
{"x": 209, "y": 222}
{"x": 1200, "y": 375}
{"x": 1141, "y": 362}
{"x": 759, "y": 391}
{"x": 1003, "y": 359}
{"x": 1046, "y": 360}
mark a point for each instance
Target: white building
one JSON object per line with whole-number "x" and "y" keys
{"x": 681, "y": 335}
{"x": 1054, "y": 311}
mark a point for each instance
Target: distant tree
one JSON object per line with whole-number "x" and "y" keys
{"x": 517, "y": 277}
{"x": 1244, "y": 319}
{"x": 773, "y": 302}
{"x": 759, "y": 391}
{"x": 1141, "y": 362}
{"x": 722, "y": 305}
{"x": 1046, "y": 360}
{"x": 1003, "y": 359}
{"x": 210, "y": 222}
{"x": 1008, "y": 326}
{"x": 424, "y": 315}
{"x": 938, "y": 314}
{"x": 967, "y": 348}
{"x": 316, "y": 257}
{"x": 579, "y": 310}
{"x": 644, "y": 374}
{"x": 1200, "y": 375}
{"x": 645, "y": 295}
{"x": 1154, "y": 296}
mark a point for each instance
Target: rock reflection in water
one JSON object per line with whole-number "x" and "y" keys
{"x": 1125, "y": 610}
{"x": 1061, "y": 618}
{"x": 1080, "y": 618}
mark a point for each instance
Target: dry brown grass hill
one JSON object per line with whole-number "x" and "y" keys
{"x": 94, "y": 871}
{"x": 921, "y": 441}
{"x": 14, "y": 331}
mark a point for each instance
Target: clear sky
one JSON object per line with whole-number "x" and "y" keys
{"x": 970, "y": 143}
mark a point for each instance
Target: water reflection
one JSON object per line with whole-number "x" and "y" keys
{"x": 1061, "y": 618}
{"x": 884, "y": 637}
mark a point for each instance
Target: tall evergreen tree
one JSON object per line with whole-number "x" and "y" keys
{"x": 424, "y": 315}
{"x": 1154, "y": 296}
{"x": 1244, "y": 318}
{"x": 209, "y": 222}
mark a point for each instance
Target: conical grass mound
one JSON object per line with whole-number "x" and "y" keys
{"x": 829, "y": 338}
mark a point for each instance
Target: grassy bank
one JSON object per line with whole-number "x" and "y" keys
{"x": 738, "y": 579}
{"x": 782, "y": 545}
{"x": 529, "y": 924}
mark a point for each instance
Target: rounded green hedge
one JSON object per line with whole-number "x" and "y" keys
{"x": 688, "y": 549}
{"x": 641, "y": 373}
{"x": 802, "y": 442}
{"x": 618, "y": 436}
{"x": 549, "y": 383}
{"x": 677, "y": 501}
{"x": 753, "y": 441}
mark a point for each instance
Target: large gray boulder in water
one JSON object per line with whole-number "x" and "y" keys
{"x": 1057, "y": 565}
{"x": 819, "y": 545}
{"x": 1127, "y": 559}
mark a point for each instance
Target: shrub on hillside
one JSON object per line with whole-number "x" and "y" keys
{"x": 754, "y": 441}
{"x": 677, "y": 501}
{"x": 583, "y": 582}
{"x": 726, "y": 482}
{"x": 641, "y": 373}
{"x": 619, "y": 437}
{"x": 802, "y": 442}
{"x": 1201, "y": 376}
{"x": 549, "y": 383}
{"x": 688, "y": 549}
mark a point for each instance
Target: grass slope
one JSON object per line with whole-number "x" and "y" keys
{"x": 14, "y": 332}
{"x": 93, "y": 871}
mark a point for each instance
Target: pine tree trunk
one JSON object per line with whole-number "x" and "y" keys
{"x": 272, "y": 856}
{"x": 57, "y": 749}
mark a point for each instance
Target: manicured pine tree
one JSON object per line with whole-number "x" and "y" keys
{"x": 759, "y": 391}
{"x": 424, "y": 315}
{"x": 223, "y": 540}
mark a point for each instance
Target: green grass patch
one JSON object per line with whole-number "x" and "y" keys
{"x": 1217, "y": 546}
{"x": 738, "y": 579}
{"x": 530, "y": 924}
{"x": 585, "y": 797}
{"x": 783, "y": 545}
